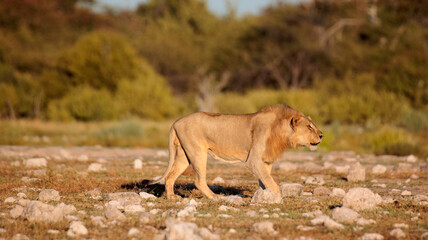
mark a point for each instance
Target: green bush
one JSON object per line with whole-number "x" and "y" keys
{"x": 233, "y": 103}
{"x": 389, "y": 140}
{"x": 84, "y": 104}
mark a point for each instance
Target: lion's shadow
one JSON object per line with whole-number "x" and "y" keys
{"x": 182, "y": 189}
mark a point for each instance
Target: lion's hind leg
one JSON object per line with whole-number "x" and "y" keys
{"x": 180, "y": 164}
{"x": 198, "y": 160}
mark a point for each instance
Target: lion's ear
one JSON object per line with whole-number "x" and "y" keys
{"x": 293, "y": 122}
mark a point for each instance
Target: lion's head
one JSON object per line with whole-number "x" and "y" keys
{"x": 305, "y": 133}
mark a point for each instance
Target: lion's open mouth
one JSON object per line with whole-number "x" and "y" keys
{"x": 315, "y": 144}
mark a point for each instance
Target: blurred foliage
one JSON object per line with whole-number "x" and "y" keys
{"x": 356, "y": 62}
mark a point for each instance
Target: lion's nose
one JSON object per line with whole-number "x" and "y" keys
{"x": 321, "y": 136}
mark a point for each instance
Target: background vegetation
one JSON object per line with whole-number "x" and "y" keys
{"x": 357, "y": 67}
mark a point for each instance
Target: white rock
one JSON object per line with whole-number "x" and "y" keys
{"x": 291, "y": 189}
{"x": 35, "y": 162}
{"x": 315, "y": 213}
{"x": 424, "y": 235}
{"x": 176, "y": 230}
{"x": 266, "y": 196}
{"x": 360, "y": 199}
{"x": 124, "y": 198}
{"x": 20, "y": 236}
{"x": 133, "y": 232}
{"x": 319, "y": 220}
{"x": 252, "y": 213}
{"x": 371, "y": 236}
{"x": 207, "y": 234}
{"x": 403, "y": 167}
{"x": 321, "y": 191}
{"x": 16, "y": 211}
{"x": 98, "y": 221}
{"x": 77, "y": 229}
{"x": 96, "y": 167}
{"x": 406, "y": 193}
{"x": 233, "y": 199}
{"x": 54, "y": 231}
{"x": 286, "y": 167}
{"x": 224, "y": 208}
{"x": 337, "y": 192}
{"x": 317, "y": 180}
{"x": 264, "y": 227}
{"x": 112, "y": 213}
{"x": 134, "y": 209}
{"x": 218, "y": 180}
{"x": 310, "y": 167}
{"x": 362, "y": 221}
{"x": 401, "y": 225}
{"x": 66, "y": 208}
{"x": 378, "y": 169}
{"x": 145, "y": 217}
{"x": 344, "y": 215}
{"x": 356, "y": 173}
{"x": 83, "y": 158}
{"x": 2, "y": 230}
{"x": 49, "y": 195}
{"x": 304, "y": 228}
{"x": 187, "y": 211}
{"x": 411, "y": 159}
{"x": 95, "y": 194}
{"x": 397, "y": 233}
{"x": 16, "y": 164}
{"x": 327, "y": 222}
{"x": 138, "y": 164}
{"x": 342, "y": 169}
{"x": 21, "y": 195}
{"x": 36, "y": 211}
{"x": 10, "y": 200}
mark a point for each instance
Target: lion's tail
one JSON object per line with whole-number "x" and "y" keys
{"x": 172, "y": 141}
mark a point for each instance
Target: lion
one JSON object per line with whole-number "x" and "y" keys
{"x": 256, "y": 139}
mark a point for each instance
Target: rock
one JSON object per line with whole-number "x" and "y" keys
{"x": 187, "y": 211}
{"x": 95, "y": 194}
{"x": 54, "y": 231}
{"x": 66, "y": 209}
{"x": 224, "y": 208}
{"x": 264, "y": 227}
{"x": 112, "y": 213}
{"x": 403, "y": 167}
{"x": 397, "y": 233}
{"x": 327, "y": 222}
{"x": 21, "y": 195}
{"x": 10, "y": 200}
{"x": 20, "y": 236}
{"x": 315, "y": 213}
{"x": 177, "y": 230}
{"x": 49, "y": 195}
{"x": 304, "y": 228}
{"x": 37, "y": 173}
{"x": 362, "y": 221}
{"x": 411, "y": 159}
{"x": 145, "y": 217}
{"x": 96, "y": 167}
{"x": 310, "y": 167}
{"x": 342, "y": 169}
{"x": 424, "y": 235}
{"x": 138, "y": 164}
{"x": 15, "y": 164}
{"x": 145, "y": 195}
{"x": 133, "y": 232}
{"x": 35, "y": 163}
{"x": 286, "y": 167}
{"x": 371, "y": 236}
{"x": 321, "y": 191}
{"x": 291, "y": 189}
{"x": 218, "y": 180}
{"x": 319, "y": 220}
{"x": 266, "y": 196}
{"x": 252, "y": 213}
{"x": 16, "y": 211}
{"x": 23, "y": 202}
{"x": 406, "y": 193}
{"x": 83, "y": 158}
{"x": 360, "y": 199}
{"x": 233, "y": 199}
{"x": 36, "y": 211}
{"x": 207, "y": 234}
{"x": 76, "y": 229}
{"x": 98, "y": 221}
{"x": 317, "y": 180}
{"x": 134, "y": 209}
{"x": 378, "y": 169}
{"x": 124, "y": 198}
{"x": 356, "y": 173}
{"x": 400, "y": 225}
{"x": 337, "y": 192}
{"x": 344, "y": 215}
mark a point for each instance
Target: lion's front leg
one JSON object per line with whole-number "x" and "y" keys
{"x": 262, "y": 170}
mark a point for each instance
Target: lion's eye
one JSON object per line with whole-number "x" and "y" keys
{"x": 309, "y": 127}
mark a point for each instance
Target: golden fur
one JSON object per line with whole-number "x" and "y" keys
{"x": 257, "y": 139}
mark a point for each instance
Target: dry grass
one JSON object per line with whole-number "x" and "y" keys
{"x": 72, "y": 180}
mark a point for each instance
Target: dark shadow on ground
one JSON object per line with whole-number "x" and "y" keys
{"x": 183, "y": 190}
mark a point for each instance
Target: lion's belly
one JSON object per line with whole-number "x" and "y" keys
{"x": 227, "y": 155}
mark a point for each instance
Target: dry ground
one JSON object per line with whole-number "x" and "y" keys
{"x": 68, "y": 175}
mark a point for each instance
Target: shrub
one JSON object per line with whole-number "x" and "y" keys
{"x": 233, "y": 103}
{"x": 389, "y": 140}
{"x": 84, "y": 104}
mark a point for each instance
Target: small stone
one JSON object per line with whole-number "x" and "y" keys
{"x": 411, "y": 159}
{"x": 414, "y": 176}
{"x": 54, "y": 231}
{"x": 321, "y": 191}
{"x": 378, "y": 169}
{"x": 342, "y": 169}
{"x": 371, "y": 236}
{"x": 406, "y": 193}
{"x": 95, "y": 194}
{"x": 10, "y": 200}
{"x": 133, "y": 232}
{"x": 20, "y": 236}
{"x": 337, "y": 192}
{"x": 145, "y": 217}
{"x": 112, "y": 213}
{"x": 304, "y": 228}
{"x": 291, "y": 189}
{"x": 316, "y": 180}
{"x": 360, "y": 199}
{"x": 286, "y": 167}
{"x": 233, "y": 199}
{"x": 187, "y": 211}
{"x": 218, "y": 180}
{"x": 344, "y": 215}
{"x": 224, "y": 216}
{"x": 96, "y": 167}
{"x": 134, "y": 209}
{"x": 36, "y": 211}
{"x": 83, "y": 158}
{"x": 124, "y": 198}
{"x": 362, "y": 221}
{"x": 403, "y": 167}
{"x": 356, "y": 173}
{"x": 264, "y": 227}
{"x": 138, "y": 164}
{"x": 21, "y": 195}
{"x": 266, "y": 196}
{"x": 397, "y": 233}
{"x": 49, "y": 195}
{"x": 310, "y": 167}
{"x": 252, "y": 213}
{"x": 401, "y": 225}
{"x": 98, "y": 221}
{"x": 315, "y": 213}
{"x": 35, "y": 163}
{"x": 424, "y": 235}
{"x": 145, "y": 195}
{"x": 16, "y": 164}
{"x": 77, "y": 229}
{"x": 331, "y": 224}
{"x": 16, "y": 211}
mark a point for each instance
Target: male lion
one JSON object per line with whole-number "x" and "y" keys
{"x": 258, "y": 139}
